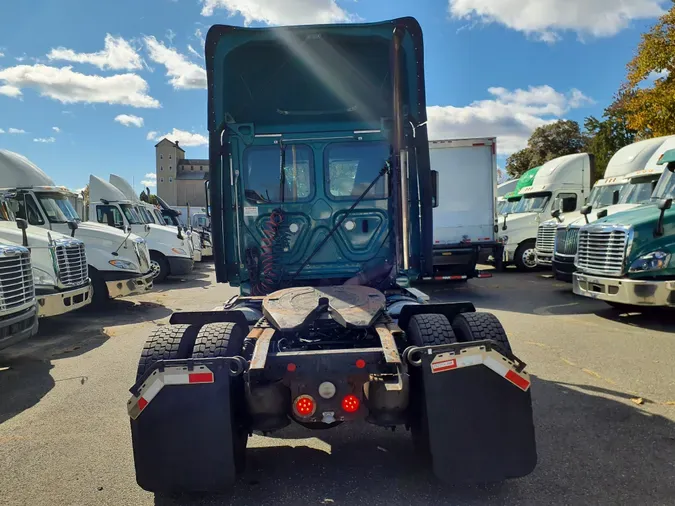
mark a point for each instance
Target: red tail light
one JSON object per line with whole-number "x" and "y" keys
{"x": 350, "y": 404}
{"x": 304, "y": 406}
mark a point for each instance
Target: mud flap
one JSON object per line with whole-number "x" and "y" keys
{"x": 181, "y": 426}
{"x": 478, "y": 411}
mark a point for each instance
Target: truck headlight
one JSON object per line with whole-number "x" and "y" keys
{"x": 43, "y": 278}
{"x": 123, "y": 264}
{"x": 179, "y": 251}
{"x": 651, "y": 262}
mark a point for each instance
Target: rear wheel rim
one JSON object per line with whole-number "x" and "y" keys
{"x": 155, "y": 267}
{"x": 529, "y": 258}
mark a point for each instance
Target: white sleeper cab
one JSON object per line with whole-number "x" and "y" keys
{"x": 118, "y": 262}
{"x": 170, "y": 253}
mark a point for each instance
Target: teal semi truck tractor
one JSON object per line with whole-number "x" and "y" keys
{"x": 321, "y": 196}
{"x": 628, "y": 259}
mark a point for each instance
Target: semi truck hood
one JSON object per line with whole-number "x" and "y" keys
{"x": 577, "y": 218}
{"x": 273, "y": 86}
{"x": 167, "y": 237}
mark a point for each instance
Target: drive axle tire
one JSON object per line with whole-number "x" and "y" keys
{"x": 479, "y": 327}
{"x": 166, "y": 343}
{"x": 424, "y": 330}
{"x": 99, "y": 289}
{"x": 160, "y": 265}
{"x": 227, "y": 340}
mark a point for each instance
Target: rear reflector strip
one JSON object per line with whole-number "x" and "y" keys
{"x": 170, "y": 376}
{"x": 492, "y": 359}
{"x": 443, "y": 278}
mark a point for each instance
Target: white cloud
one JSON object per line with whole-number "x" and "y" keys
{"x": 56, "y": 129}
{"x": 274, "y": 12}
{"x": 10, "y": 91}
{"x": 150, "y": 180}
{"x": 16, "y": 131}
{"x": 2, "y": 131}
{"x": 548, "y": 19}
{"x": 117, "y": 54}
{"x": 511, "y": 116}
{"x": 46, "y": 140}
{"x": 129, "y": 120}
{"x": 2, "y": 54}
{"x": 184, "y": 138}
{"x": 183, "y": 73}
{"x": 151, "y": 135}
{"x": 194, "y": 52}
{"x": 67, "y": 86}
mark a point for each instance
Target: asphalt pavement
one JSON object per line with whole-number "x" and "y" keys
{"x": 603, "y": 397}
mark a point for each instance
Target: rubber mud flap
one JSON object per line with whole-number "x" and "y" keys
{"x": 182, "y": 439}
{"x": 480, "y": 425}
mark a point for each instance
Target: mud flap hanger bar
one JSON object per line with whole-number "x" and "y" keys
{"x": 411, "y": 354}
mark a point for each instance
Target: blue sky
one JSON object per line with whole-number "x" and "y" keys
{"x": 88, "y": 87}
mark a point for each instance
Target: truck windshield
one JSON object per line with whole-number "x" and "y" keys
{"x": 352, "y": 167}
{"x": 638, "y": 191}
{"x": 145, "y": 215}
{"x": 261, "y": 173}
{"x": 603, "y": 196}
{"x": 57, "y": 207}
{"x": 534, "y": 203}
{"x": 5, "y": 212}
{"x": 131, "y": 215}
{"x": 665, "y": 189}
{"x": 509, "y": 206}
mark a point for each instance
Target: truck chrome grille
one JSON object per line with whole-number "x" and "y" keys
{"x": 566, "y": 241}
{"x": 141, "y": 249}
{"x": 602, "y": 250}
{"x": 545, "y": 238}
{"x": 16, "y": 281}
{"x": 72, "y": 262}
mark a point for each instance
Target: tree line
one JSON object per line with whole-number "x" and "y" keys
{"x": 642, "y": 108}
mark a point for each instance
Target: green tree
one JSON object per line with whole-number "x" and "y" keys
{"x": 606, "y": 136}
{"x": 648, "y": 95}
{"x": 547, "y": 142}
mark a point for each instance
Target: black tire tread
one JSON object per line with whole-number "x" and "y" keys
{"x": 165, "y": 343}
{"x": 480, "y": 326}
{"x": 165, "y": 268}
{"x": 219, "y": 340}
{"x": 430, "y": 330}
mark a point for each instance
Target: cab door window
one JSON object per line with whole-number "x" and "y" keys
{"x": 29, "y": 210}
{"x": 109, "y": 215}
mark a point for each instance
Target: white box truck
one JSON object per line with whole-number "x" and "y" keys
{"x": 561, "y": 184}
{"x": 465, "y": 221}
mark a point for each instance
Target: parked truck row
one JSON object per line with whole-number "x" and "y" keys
{"x": 53, "y": 262}
{"x": 620, "y": 246}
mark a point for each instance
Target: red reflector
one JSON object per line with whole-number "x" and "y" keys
{"x": 291, "y": 367}
{"x": 360, "y": 363}
{"x": 350, "y": 403}
{"x": 517, "y": 380}
{"x": 479, "y": 144}
{"x": 485, "y": 275}
{"x": 201, "y": 377}
{"x": 142, "y": 403}
{"x": 304, "y": 406}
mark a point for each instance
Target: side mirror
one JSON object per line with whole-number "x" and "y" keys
{"x": 602, "y": 214}
{"x": 586, "y": 210}
{"x": 671, "y": 166}
{"x": 72, "y": 225}
{"x": 556, "y": 215}
{"x": 206, "y": 189}
{"x": 664, "y": 205}
{"x": 557, "y": 205}
{"x": 22, "y": 225}
{"x": 615, "y": 197}
{"x": 434, "y": 188}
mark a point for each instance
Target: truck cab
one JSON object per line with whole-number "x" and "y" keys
{"x": 118, "y": 263}
{"x": 503, "y": 189}
{"x": 170, "y": 252}
{"x": 18, "y": 305}
{"x": 630, "y": 178}
{"x": 559, "y": 185}
{"x": 59, "y": 262}
{"x": 628, "y": 259}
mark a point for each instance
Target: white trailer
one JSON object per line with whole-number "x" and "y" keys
{"x": 465, "y": 222}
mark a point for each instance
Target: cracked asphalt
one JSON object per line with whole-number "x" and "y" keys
{"x": 603, "y": 398}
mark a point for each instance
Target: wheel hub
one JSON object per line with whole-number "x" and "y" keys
{"x": 529, "y": 258}
{"x": 155, "y": 268}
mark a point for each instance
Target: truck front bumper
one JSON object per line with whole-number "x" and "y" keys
{"x": 179, "y": 266}
{"x": 545, "y": 259}
{"x": 133, "y": 286}
{"x": 625, "y": 291}
{"x": 563, "y": 268}
{"x": 17, "y": 327}
{"x": 60, "y": 302}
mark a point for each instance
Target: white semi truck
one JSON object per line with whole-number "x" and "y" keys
{"x": 118, "y": 262}
{"x": 465, "y": 221}
{"x": 504, "y": 189}
{"x": 629, "y": 181}
{"x": 561, "y": 184}
{"x": 170, "y": 253}
{"x": 59, "y": 262}
{"x": 146, "y": 212}
{"x": 18, "y": 306}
